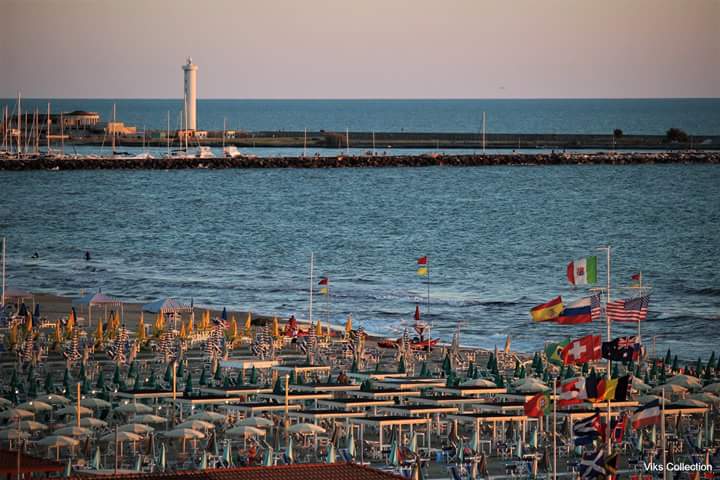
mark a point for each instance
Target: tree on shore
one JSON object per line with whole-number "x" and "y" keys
{"x": 676, "y": 135}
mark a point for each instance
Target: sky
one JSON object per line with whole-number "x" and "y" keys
{"x": 361, "y": 48}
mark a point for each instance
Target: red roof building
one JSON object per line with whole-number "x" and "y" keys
{"x": 28, "y": 464}
{"x": 314, "y": 471}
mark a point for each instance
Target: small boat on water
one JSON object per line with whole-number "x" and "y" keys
{"x": 232, "y": 151}
{"x": 204, "y": 152}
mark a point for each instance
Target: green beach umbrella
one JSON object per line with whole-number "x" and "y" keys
{"x": 49, "y": 384}
{"x": 354, "y": 366}
{"x": 447, "y": 365}
{"x": 278, "y": 389}
{"x": 203, "y": 377}
{"x": 32, "y": 389}
{"x": 168, "y": 373}
{"x": 152, "y": 380}
{"x": 188, "y": 385}
{"x": 132, "y": 371}
{"x": 100, "y": 383}
{"x": 137, "y": 382}
{"x": 117, "y": 379}
{"x": 424, "y": 370}
{"x": 31, "y": 373}
{"x": 226, "y": 382}
{"x": 268, "y": 457}
{"x": 331, "y": 454}
{"x": 291, "y": 380}
{"x": 471, "y": 370}
{"x": 180, "y": 369}
{"x": 301, "y": 379}
{"x": 239, "y": 379}
{"x": 218, "y": 373}
{"x": 401, "y": 365}
{"x": 516, "y": 372}
{"x": 668, "y": 357}
{"x": 253, "y": 376}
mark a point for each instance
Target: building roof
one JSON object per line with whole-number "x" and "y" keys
{"x": 315, "y": 471}
{"x": 82, "y": 113}
{"x": 28, "y": 464}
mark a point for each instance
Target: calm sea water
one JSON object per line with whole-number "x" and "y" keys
{"x": 498, "y": 239}
{"x": 651, "y": 116}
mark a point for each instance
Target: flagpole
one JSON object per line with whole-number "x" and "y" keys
{"x": 555, "y": 429}
{"x": 312, "y": 260}
{"x": 609, "y": 362}
{"x": 3, "y": 272}
{"x": 428, "y": 286}
{"x": 662, "y": 433}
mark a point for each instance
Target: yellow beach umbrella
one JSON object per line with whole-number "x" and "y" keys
{"x": 318, "y": 329}
{"x": 206, "y": 320}
{"x": 28, "y": 323}
{"x": 99, "y": 333}
{"x": 191, "y": 326}
{"x": 58, "y": 332}
{"x": 141, "y": 329}
{"x": 275, "y": 328}
{"x": 12, "y": 336}
{"x": 234, "y": 328}
{"x": 348, "y": 325}
{"x": 70, "y": 325}
{"x": 159, "y": 322}
{"x": 183, "y": 333}
{"x": 248, "y": 322}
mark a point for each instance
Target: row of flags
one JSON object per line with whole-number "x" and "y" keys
{"x": 591, "y": 347}
{"x": 577, "y": 390}
{"x": 588, "y": 309}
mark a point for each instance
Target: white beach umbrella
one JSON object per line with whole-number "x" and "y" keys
{"x": 669, "y": 389}
{"x": 95, "y": 403}
{"x": 255, "y": 422}
{"x": 185, "y": 434}
{"x": 138, "y": 428}
{"x": 15, "y": 413}
{"x": 5, "y": 403}
{"x": 32, "y": 426}
{"x": 35, "y": 406}
{"x": 687, "y": 381}
{"x": 640, "y": 386}
{"x": 73, "y": 410}
{"x": 133, "y": 408}
{"x": 478, "y": 382}
{"x": 58, "y": 441}
{"x": 688, "y": 403}
{"x": 305, "y": 428}
{"x": 13, "y": 434}
{"x": 196, "y": 425}
{"x": 244, "y": 431}
{"x": 208, "y": 416}
{"x": 91, "y": 422}
{"x": 712, "y": 388}
{"x": 71, "y": 431}
{"x": 705, "y": 397}
{"x": 53, "y": 399}
{"x": 148, "y": 418}
{"x": 121, "y": 437}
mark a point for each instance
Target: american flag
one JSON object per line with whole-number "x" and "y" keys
{"x": 595, "y": 307}
{"x": 629, "y": 310}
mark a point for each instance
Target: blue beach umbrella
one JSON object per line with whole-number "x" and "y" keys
{"x": 23, "y": 310}
{"x": 36, "y": 315}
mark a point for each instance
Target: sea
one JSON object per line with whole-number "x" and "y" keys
{"x": 697, "y": 116}
{"x": 498, "y": 240}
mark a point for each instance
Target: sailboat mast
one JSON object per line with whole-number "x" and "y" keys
{"x": 224, "y": 127}
{"x": 347, "y": 140}
{"x": 3, "y": 272}
{"x": 113, "y": 131}
{"x": 62, "y": 134}
{"x": 167, "y": 133}
{"x": 47, "y": 131}
{"x": 19, "y": 122}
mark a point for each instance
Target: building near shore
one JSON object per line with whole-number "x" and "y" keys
{"x": 119, "y": 128}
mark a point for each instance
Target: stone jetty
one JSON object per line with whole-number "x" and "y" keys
{"x": 364, "y": 161}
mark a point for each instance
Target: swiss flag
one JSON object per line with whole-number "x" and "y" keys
{"x": 582, "y": 350}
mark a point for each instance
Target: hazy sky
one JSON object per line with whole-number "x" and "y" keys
{"x": 361, "y": 48}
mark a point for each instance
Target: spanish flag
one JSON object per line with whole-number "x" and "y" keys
{"x": 547, "y": 311}
{"x": 422, "y": 266}
{"x": 324, "y": 282}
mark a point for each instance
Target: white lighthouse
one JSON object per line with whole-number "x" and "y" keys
{"x": 190, "y": 70}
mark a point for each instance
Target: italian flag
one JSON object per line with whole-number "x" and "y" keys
{"x": 583, "y": 271}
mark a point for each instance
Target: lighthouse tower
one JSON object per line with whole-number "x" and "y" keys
{"x": 190, "y": 71}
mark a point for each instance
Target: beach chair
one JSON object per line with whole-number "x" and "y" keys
{"x": 345, "y": 455}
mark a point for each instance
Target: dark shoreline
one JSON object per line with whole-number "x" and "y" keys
{"x": 365, "y": 161}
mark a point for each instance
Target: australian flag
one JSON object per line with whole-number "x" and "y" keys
{"x": 623, "y": 349}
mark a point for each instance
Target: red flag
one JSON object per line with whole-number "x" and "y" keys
{"x": 323, "y": 281}
{"x": 422, "y": 260}
{"x": 538, "y": 405}
{"x": 582, "y": 350}
{"x": 417, "y": 313}
{"x": 636, "y": 277}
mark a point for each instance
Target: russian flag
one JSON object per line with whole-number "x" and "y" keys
{"x": 576, "y": 312}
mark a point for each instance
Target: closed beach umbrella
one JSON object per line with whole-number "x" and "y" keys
{"x": 290, "y": 449}
{"x": 348, "y": 325}
{"x": 275, "y": 328}
{"x": 138, "y": 428}
{"x": 305, "y": 428}
{"x": 208, "y": 416}
{"x": 256, "y": 422}
{"x": 15, "y": 413}
{"x": 133, "y": 408}
{"x": 196, "y": 425}
{"x": 32, "y": 426}
{"x": 149, "y": 418}
{"x": 73, "y": 431}
{"x": 412, "y": 445}
{"x": 53, "y": 399}
{"x": 268, "y": 457}
{"x": 331, "y": 454}
{"x": 95, "y": 403}
{"x": 35, "y": 406}
{"x": 394, "y": 454}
